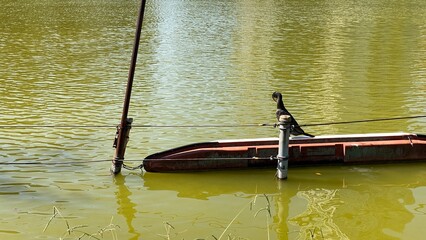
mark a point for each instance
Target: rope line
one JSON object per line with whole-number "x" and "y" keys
{"x": 209, "y": 125}
{"x": 140, "y": 166}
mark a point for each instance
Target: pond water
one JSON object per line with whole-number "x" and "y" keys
{"x": 63, "y": 72}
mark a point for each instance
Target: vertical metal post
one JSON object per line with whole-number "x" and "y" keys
{"x": 284, "y": 139}
{"x": 124, "y": 128}
{"x": 118, "y": 159}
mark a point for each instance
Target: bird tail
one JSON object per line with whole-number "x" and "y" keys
{"x": 307, "y": 134}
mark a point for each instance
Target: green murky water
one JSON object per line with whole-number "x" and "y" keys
{"x": 206, "y": 62}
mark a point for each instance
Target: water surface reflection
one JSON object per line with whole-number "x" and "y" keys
{"x": 206, "y": 62}
{"x": 333, "y": 203}
{"x": 125, "y": 206}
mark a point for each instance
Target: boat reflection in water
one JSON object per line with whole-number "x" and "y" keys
{"x": 347, "y": 202}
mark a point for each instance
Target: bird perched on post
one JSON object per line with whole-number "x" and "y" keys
{"x": 281, "y": 110}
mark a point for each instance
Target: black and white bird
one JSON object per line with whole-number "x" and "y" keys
{"x": 281, "y": 110}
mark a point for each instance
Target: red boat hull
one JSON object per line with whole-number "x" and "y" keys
{"x": 330, "y": 150}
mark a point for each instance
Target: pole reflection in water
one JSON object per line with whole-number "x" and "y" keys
{"x": 125, "y": 207}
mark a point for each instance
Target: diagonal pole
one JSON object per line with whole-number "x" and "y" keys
{"x": 124, "y": 128}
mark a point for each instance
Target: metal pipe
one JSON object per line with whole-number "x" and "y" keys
{"x": 123, "y": 129}
{"x": 283, "y": 142}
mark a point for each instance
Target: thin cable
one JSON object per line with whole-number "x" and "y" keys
{"x": 361, "y": 121}
{"x": 204, "y": 126}
{"x": 137, "y": 126}
{"x": 213, "y": 158}
{"x": 211, "y": 125}
{"x": 37, "y": 162}
{"x": 127, "y": 160}
{"x": 57, "y": 126}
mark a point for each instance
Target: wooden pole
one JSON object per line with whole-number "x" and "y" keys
{"x": 125, "y": 124}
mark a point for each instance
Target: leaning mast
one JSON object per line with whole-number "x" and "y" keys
{"x": 123, "y": 129}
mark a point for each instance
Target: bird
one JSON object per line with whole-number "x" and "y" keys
{"x": 295, "y": 129}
